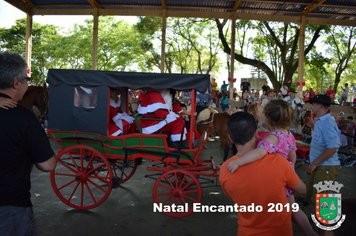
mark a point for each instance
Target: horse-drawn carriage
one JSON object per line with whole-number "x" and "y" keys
{"x": 91, "y": 162}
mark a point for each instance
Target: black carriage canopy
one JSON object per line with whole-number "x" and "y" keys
{"x": 132, "y": 80}
{"x": 78, "y": 99}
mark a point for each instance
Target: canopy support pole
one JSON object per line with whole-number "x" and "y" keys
{"x": 301, "y": 58}
{"x": 28, "y": 49}
{"x": 163, "y": 45}
{"x": 232, "y": 57}
{"x": 94, "y": 62}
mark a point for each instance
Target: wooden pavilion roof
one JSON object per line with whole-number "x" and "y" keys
{"x": 322, "y": 12}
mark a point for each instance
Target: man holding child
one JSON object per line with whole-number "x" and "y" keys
{"x": 260, "y": 183}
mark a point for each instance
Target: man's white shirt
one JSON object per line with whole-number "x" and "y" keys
{"x": 293, "y": 101}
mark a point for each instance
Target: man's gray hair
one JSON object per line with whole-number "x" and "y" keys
{"x": 12, "y": 66}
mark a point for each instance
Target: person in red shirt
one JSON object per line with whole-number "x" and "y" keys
{"x": 311, "y": 93}
{"x": 330, "y": 92}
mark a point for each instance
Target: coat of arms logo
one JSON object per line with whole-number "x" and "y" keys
{"x": 328, "y": 206}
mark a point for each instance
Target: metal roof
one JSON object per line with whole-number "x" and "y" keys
{"x": 322, "y": 12}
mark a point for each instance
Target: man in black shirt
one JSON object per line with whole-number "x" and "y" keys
{"x": 265, "y": 87}
{"x": 23, "y": 143}
{"x": 245, "y": 86}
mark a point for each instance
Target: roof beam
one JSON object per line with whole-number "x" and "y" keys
{"x": 21, "y": 6}
{"x": 236, "y": 6}
{"x": 311, "y": 7}
{"x": 29, "y": 4}
{"x": 212, "y": 15}
{"x": 94, "y": 3}
{"x": 163, "y": 2}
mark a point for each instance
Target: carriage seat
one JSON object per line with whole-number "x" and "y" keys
{"x": 138, "y": 118}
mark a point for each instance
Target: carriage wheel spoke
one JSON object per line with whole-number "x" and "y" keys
{"x": 165, "y": 187}
{"x": 63, "y": 174}
{"x": 169, "y": 182}
{"x": 183, "y": 200}
{"x": 105, "y": 179}
{"x": 191, "y": 191}
{"x": 190, "y": 198}
{"x": 176, "y": 180}
{"x": 81, "y": 160}
{"x": 164, "y": 194}
{"x": 182, "y": 181}
{"x": 114, "y": 168}
{"x": 90, "y": 162}
{"x": 68, "y": 167}
{"x": 96, "y": 185}
{"x": 188, "y": 184}
{"x": 95, "y": 169}
{"x": 67, "y": 184}
{"x": 74, "y": 162}
{"x": 82, "y": 193}
{"x": 90, "y": 193}
{"x": 163, "y": 202}
{"x": 75, "y": 189}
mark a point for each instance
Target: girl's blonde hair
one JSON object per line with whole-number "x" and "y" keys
{"x": 279, "y": 114}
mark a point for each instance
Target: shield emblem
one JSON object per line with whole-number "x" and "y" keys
{"x": 328, "y": 208}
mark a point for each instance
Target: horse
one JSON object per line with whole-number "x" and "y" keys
{"x": 297, "y": 123}
{"x": 36, "y": 96}
{"x": 219, "y": 125}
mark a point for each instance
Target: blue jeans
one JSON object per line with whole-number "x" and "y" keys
{"x": 343, "y": 99}
{"x": 224, "y": 107}
{"x": 17, "y": 221}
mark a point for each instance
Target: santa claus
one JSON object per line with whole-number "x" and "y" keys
{"x": 119, "y": 122}
{"x": 159, "y": 105}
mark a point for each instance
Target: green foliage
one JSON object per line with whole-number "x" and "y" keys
{"x": 117, "y": 46}
{"x": 317, "y": 75}
{"x": 190, "y": 45}
{"x": 43, "y": 41}
{"x": 341, "y": 46}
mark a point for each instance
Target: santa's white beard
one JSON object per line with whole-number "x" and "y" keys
{"x": 166, "y": 95}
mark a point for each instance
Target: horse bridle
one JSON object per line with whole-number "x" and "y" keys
{"x": 45, "y": 99}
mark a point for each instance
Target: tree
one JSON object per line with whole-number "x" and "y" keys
{"x": 190, "y": 44}
{"x": 317, "y": 75}
{"x": 342, "y": 47}
{"x": 44, "y": 41}
{"x": 280, "y": 42}
{"x": 117, "y": 46}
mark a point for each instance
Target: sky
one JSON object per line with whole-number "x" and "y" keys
{"x": 9, "y": 14}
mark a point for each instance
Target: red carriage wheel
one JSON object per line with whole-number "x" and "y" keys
{"x": 178, "y": 187}
{"x": 82, "y": 178}
{"x": 129, "y": 170}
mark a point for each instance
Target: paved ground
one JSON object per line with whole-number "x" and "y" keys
{"x": 128, "y": 210}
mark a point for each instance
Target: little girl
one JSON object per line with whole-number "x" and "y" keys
{"x": 279, "y": 115}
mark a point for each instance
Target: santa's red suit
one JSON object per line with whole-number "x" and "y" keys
{"x": 153, "y": 105}
{"x": 119, "y": 122}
